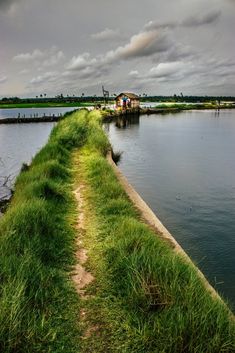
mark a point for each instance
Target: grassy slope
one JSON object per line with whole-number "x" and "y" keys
{"x": 146, "y": 299}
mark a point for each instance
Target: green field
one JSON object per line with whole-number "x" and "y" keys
{"x": 44, "y": 105}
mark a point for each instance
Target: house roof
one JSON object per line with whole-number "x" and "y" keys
{"x": 129, "y": 95}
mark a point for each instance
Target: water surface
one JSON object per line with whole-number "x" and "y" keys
{"x": 34, "y": 112}
{"x": 183, "y": 165}
{"x": 18, "y": 144}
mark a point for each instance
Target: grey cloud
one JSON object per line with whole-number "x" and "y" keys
{"x": 206, "y": 19}
{"x": 48, "y": 57}
{"x": 24, "y": 71}
{"x": 106, "y": 34}
{"x": 92, "y": 73}
{"x": 145, "y": 43}
{"x": 179, "y": 52}
{"x": 192, "y": 21}
{"x": 3, "y": 79}
{"x": 53, "y": 58}
{"x": 177, "y": 71}
{"x": 203, "y": 71}
{"x": 4, "y": 4}
{"x": 46, "y": 77}
{"x": 155, "y": 25}
{"x": 89, "y": 71}
{"x": 184, "y": 31}
{"x": 27, "y": 57}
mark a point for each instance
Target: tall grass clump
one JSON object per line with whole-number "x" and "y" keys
{"x": 151, "y": 299}
{"x": 38, "y": 304}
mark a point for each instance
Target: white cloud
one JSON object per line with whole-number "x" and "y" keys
{"x": 81, "y": 62}
{"x": 134, "y": 73}
{"x": 106, "y": 34}
{"x": 143, "y": 44}
{"x": 166, "y": 69}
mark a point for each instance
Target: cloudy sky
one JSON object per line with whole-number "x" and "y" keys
{"x": 160, "y": 47}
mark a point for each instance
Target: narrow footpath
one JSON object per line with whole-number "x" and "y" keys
{"x": 94, "y": 334}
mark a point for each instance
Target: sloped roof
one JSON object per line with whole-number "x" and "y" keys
{"x": 129, "y": 95}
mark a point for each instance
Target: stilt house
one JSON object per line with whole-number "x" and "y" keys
{"x": 127, "y": 100}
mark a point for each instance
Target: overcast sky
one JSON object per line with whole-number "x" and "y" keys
{"x": 160, "y": 47}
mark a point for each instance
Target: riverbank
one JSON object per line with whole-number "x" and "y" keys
{"x": 142, "y": 298}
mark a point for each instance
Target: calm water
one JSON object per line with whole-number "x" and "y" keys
{"x": 183, "y": 165}
{"x": 18, "y": 144}
{"x": 28, "y": 112}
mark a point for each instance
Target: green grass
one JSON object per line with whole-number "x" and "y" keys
{"x": 144, "y": 298}
{"x": 44, "y": 105}
{"x": 39, "y": 307}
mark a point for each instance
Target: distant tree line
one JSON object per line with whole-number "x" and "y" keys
{"x": 42, "y": 98}
{"x": 187, "y": 99}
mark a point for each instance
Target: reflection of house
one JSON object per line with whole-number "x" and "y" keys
{"x": 127, "y": 100}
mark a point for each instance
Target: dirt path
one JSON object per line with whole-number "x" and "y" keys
{"x": 80, "y": 276}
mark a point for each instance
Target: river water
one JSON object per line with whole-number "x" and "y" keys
{"x": 34, "y": 112}
{"x": 183, "y": 165}
{"x": 18, "y": 144}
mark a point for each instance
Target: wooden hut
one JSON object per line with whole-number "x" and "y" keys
{"x": 127, "y": 100}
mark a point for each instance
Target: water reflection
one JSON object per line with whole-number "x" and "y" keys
{"x": 124, "y": 122}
